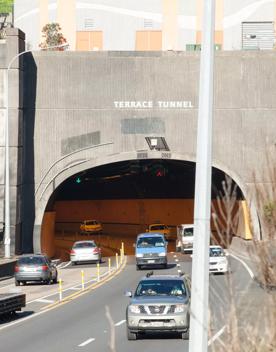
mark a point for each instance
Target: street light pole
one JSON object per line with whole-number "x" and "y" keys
{"x": 7, "y": 236}
{"x": 200, "y": 267}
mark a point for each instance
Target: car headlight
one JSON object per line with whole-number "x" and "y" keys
{"x": 139, "y": 255}
{"x": 162, "y": 254}
{"x": 179, "y": 308}
{"x": 134, "y": 309}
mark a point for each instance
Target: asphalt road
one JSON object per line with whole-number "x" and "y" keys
{"x": 82, "y": 324}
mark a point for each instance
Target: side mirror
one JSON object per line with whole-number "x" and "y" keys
{"x": 128, "y": 293}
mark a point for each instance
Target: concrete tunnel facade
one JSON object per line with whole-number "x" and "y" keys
{"x": 80, "y": 110}
{"x": 95, "y": 123}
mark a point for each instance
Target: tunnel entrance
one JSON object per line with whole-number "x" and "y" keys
{"x": 126, "y": 197}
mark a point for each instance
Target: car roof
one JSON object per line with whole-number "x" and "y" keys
{"x": 151, "y": 234}
{"x": 157, "y": 224}
{"x": 163, "y": 277}
{"x": 216, "y": 246}
{"x": 84, "y": 241}
{"x": 32, "y": 255}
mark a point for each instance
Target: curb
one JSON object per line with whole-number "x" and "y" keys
{"x": 245, "y": 248}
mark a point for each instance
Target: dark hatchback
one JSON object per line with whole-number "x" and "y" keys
{"x": 36, "y": 267}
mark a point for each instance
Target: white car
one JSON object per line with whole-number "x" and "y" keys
{"x": 218, "y": 262}
{"x": 185, "y": 238}
{"x": 85, "y": 251}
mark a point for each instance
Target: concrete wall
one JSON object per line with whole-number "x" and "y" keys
{"x": 75, "y": 94}
{"x": 9, "y": 47}
{"x": 71, "y": 121}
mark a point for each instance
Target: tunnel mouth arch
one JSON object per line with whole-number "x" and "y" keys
{"x": 140, "y": 192}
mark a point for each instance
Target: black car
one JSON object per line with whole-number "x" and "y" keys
{"x": 35, "y": 267}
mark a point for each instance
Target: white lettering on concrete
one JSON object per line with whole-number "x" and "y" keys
{"x": 185, "y": 104}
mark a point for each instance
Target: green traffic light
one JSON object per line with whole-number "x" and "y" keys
{"x": 78, "y": 180}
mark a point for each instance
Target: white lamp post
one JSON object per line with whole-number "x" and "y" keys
{"x": 200, "y": 267}
{"x": 7, "y": 237}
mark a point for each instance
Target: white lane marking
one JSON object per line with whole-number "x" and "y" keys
{"x": 75, "y": 287}
{"x": 5, "y": 287}
{"x": 65, "y": 266}
{"x": 177, "y": 260}
{"x": 120, "y": 323}
{"x": 174, "y": 256}
{"x": 22, "y": 320}
{"x": 244, "y": 264}
{"x": 41, "y": 300}
{"x": 217, "y": 335}
{"x": 86, "y": 342}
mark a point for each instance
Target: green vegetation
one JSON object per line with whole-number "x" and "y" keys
{"x": 6, "y": 6}
{"x": 52, "y": 35}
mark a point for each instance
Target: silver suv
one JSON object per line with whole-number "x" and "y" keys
{"x": 160, "y": 303}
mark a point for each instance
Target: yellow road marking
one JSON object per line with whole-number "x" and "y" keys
{"x": 86, "y": 290}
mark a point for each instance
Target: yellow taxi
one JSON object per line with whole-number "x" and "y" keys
{"x": 162, "y": 228}
{"x": 91, "y": 226}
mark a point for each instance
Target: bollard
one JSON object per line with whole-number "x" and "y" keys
{"x": 98, "y": 272}
{"x": 60, "y": 289}
{"x": 121, "y": 258}
{"x": 117, "y": 261}
{"x": 109, "y": 265}
{"x": 123, "y": 250}
{"x": 82, "y": 280}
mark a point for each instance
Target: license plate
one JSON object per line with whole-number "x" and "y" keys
{"x": 157, "y": 323}
{"x": 151, "y": 261}
{"x": 29, "y": 269}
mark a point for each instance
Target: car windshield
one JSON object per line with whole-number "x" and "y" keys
{"x": 31, "y": 261}
{"x": 84, "y": 245}
{"x": 157, "y": 227}
{"x": 217, "y": 252}
{"x": 188, "y": 232}
{"x": 161, "y": 288}
{"x": 150, "y": 242}
{"x": 91, "y": 222}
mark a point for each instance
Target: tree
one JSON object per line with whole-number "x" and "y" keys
{"x": 53, "y": 36}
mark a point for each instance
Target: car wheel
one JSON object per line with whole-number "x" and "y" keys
{"x": 17, "y": 283}
{"x": 185, "y": 335}
{"x": 49, "y": 281}
{"x": 55, "y": 280}
{"x": 73, "y": 263}
{"x": 138, "y": 267}
{"x": 23, "y": 283}
{"x": 131, "y": 335}
{"x": 165, "y": 266}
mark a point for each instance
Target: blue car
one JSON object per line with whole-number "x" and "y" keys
{"x": 151, "y": 250}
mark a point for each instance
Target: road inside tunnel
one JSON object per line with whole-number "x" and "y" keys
{"x": 125, "y": 197}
